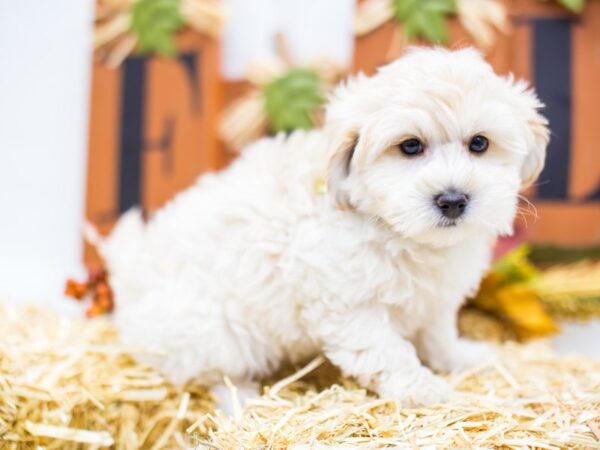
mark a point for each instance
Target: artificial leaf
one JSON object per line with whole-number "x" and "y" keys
{"x": 522, "y": 308}
{"x": 292, "y": 100}
{"x": 509, "y": 293}
{"x": 573, "y": 5}
{"x": 515, "y": 267}
{"x": 154, "y": 22}
{"x": 486, "y": 296}
{"x": 424, "y": 18}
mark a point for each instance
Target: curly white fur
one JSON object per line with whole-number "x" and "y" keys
{"x": 252, "y": 266}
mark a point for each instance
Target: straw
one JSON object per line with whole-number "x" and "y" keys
{"x": 68, "y": 384}
{"x": 64, "y": 383}
{"x": 527, "y": 398}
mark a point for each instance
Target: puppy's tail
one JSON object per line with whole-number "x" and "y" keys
{"x": 91, "y": 234}
{"x": 123, "y": 245}
{"x": 122, "y": 252}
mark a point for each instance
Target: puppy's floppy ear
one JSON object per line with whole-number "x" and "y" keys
{"x": 537, "y": 134}
{"x": 338, "y": 169}
{"x": 534, "y": 161}
{"x": 349, "y": 104}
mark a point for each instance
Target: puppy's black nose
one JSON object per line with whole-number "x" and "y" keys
{"x": 451, "y": 203}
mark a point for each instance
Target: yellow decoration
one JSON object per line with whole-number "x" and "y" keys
{"x": 509, "y": 292}
{"x": 522, "y": 307}
{"x": 321, "y": 186}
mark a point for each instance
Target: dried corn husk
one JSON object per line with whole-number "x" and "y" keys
{"x": 205, "y": 16}
{"x": 371, "y": 14}
{"x": 527, "y": 302}
{"x": 572, "y": 291}
{"x": 481, "y": 19}
{"x": 114, "y": 41}
{"x": 244, "y": 120}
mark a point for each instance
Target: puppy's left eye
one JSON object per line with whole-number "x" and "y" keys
{"x": 411, "y": 147}
{"x": 479, "y": 144}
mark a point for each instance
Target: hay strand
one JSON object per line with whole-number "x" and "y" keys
{"x": 66, "y": 384}
{"x": 526, "y": 398}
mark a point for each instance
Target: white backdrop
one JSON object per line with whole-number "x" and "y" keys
{"x": 44, "y": 79}
{"x": 312, "y": 29}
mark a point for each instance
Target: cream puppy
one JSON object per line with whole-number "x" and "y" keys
{"x": 254, "y": 266}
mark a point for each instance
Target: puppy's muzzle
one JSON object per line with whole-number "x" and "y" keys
{"x": 452, "y": 204}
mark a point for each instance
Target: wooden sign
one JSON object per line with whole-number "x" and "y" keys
{"x": 153, "y": 129}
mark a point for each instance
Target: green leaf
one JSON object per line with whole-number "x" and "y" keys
{"x": 515, "y": 267}
{"x": 573, "y": 5}
{"x": 424, "y": 18}
{"x": 292, "y": 100}
{"x": 154, "y": 22}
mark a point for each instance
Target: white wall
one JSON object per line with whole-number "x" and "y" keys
{"x": 312, "y": 29}
{"x": 578, "y": 338}
{"x": 44, "y": 77}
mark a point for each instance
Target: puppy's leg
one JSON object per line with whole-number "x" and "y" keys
{"x": 442, "y": 349}
{"x": 231, "y": 398}
{"x": 363, "y": 344}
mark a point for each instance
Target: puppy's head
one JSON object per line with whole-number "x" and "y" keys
{"x": 436, "y": 145}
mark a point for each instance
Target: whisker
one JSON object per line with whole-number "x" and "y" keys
{"x": 530, "y": 207}
{"x": 523, "y": 217}
{"x": 540, "y": 183}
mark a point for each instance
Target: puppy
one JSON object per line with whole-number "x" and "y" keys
{"x": 256, "y": 265}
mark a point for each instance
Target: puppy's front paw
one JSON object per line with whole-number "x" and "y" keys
{"x": 463, "y": 355}
{"x": 411, "y": 390}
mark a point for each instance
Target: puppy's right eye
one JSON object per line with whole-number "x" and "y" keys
{"x": 411, "y": 147}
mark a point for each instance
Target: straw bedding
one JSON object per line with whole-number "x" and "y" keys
{"x": 64, "y": 383}
{"x": 67, "y": 384}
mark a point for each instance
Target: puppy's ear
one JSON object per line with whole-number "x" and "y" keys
{"x": 349, "y": 104}
{"x": 537, "y": 134}
{"x": 536, "y": 153}
{"x": 338, "y": 169}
